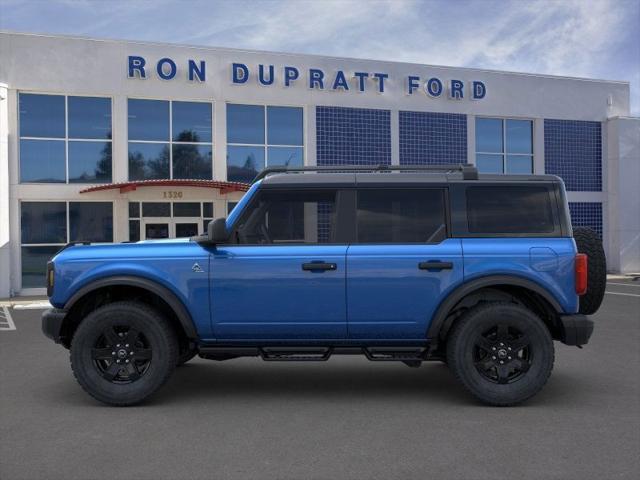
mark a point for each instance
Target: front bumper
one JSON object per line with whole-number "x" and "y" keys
{"x": 52, "y": 323}
{"x": 575, "y": 329}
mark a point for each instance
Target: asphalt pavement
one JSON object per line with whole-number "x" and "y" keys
{"x": 342, "y": 419}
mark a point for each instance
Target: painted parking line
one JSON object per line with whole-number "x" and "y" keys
{"x": 623, "y": 294}
{"x": 624, "y": 284}
{"x": 32, "y": 305}
{"x": 6, "y": 322}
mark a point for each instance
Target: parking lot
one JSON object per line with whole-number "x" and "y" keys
{"x": 346, "y": 418}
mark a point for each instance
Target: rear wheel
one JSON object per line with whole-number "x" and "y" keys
{"x": 588, "y": 242}
{"x": 123, "y": 352}
{"x": 501, "y": 352}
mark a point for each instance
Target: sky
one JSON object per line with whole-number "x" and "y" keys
{"x": 579, "y": 38}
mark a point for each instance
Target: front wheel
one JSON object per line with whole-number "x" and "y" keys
{"x": 123, "y": 352}
{"x": 501, "y": 352}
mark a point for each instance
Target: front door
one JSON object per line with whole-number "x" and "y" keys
{"x": 159, "y": 227}
{"x": 284, "y": 276}
{"x": 402, "y": 263}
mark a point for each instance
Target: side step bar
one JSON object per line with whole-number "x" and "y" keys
{"x": 410, "y": 354}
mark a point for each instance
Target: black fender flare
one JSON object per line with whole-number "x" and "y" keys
{"x": 178, "y": 307}
{"x": 439, "y": 324}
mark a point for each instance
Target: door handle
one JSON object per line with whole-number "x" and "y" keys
{"x": 432, "y": 265}
{"x": 318, "y": 266}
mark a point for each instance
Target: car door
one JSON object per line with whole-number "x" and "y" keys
{"x": 402, "y": 264}
{"x": 284, "y": 276}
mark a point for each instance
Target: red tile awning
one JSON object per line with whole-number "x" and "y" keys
{"x": 224, "y": 187}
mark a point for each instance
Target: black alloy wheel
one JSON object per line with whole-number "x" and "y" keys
{"x": 122, "y": 354}
{"x": 502, "y": 354}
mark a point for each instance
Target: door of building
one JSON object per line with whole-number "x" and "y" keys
{"x": 166, "y": 227}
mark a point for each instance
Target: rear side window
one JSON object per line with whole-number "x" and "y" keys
{"x": 509, "y": 209}
{"x": 401, "y": 216}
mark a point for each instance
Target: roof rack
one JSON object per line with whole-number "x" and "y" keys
{"x": 469, "y": 172}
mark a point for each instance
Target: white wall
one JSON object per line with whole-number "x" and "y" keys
{"x": 5, "y": 246}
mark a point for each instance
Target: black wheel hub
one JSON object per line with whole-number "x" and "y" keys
{"x": 121, "y": 354}
{"x": 502, "y": 354}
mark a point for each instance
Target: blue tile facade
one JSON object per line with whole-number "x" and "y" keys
{"x": 573, "y": 151}
{"x": 353, "y": 136}
{"x": 587, "y": 214}
{"x": 432, "y": 138}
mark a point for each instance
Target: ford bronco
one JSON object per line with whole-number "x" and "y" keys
{"x": 399, "y": 263}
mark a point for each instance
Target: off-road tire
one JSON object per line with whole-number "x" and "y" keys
{"x": 161, "y": 348}
{"x": 462, "y": 349}
{"x": 589, "y": 242}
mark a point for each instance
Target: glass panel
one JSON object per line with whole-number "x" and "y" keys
{"x": 284, "y": 126}
{"x": 290, "y": 217}
{"x": 91, "y": 221}
{"x": 401, "y": 216}
{"x": 134, "y": 209}
{"x": 134, "y": 230}
{"x": 148, "y": 120}
{"x": 231, "y": 206}
{"x": 192, "y": 161}
{"x": 207, "y": 209}
{"x": 501, "y": 209}
{"x": 489, "y": 135}
{"x": 89, "y": 117}
{"x": 205, "y": 226}
{"x": 519, "y": 136}
{"x": 156, "y": 230}
{"x": 186, "y": 209}
{"x": 286, "y": 156}
{"x": 43, "y": 222}
{"x": 148, "y": 161}
{"x": 156, "y": 209}
{"x": 34, "y": 265}
{"x": 519, "y": 164}
{"x": 191, "y": 122}
{"x": 245, "y": 124}
{"x": 489, "y": 163}
{"x": 186, "y": 230}
{"x": 42, "y": 161}
{"x": 244, "y": 163}
{"x": 41, "y": 115}
{"x": 89, "y": 162}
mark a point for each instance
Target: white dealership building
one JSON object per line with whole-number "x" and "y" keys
{"x": 105, "y": 140}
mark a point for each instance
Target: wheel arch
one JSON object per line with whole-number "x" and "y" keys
{"x": 93, "y": 294}
{"x": 443, "y": 318}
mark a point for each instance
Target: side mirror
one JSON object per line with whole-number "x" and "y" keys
{"x": 217, "y": 231}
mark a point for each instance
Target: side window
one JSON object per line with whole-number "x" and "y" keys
{"x": 303, "y": 217}
{"x": 401, "y": 216}
{"x": 509, "y": 209}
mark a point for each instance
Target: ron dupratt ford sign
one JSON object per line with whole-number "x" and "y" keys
{"x": 313, "y": 78}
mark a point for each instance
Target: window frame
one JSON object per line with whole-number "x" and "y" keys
{"x": 170, "y": 142}
{"x": 140, "y": 218}
{"x": 66, "y": 139}
{"x": 265, "y": 146}
{"x": 504, "y": 154}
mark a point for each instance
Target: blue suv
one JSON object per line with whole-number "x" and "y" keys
{"x": 404, "y": 264}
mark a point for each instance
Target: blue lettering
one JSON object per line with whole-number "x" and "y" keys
{"x": 316, "y": 77}
{"x": 238, "y": 77}
{"x": 362, "y": 77}
{"x": 340, "y": 81}
{"x": 290, "y": 74}
{"x": 479, "y": 90}
{"x": 136, "y": 64}
{"x": 412, "y": 84}
{"x": 455, "y": 90}
{"x": 261, "y": 78}
{"x": 381, "y": 77}
{"x": 161, "y": 71}
{"x": 433, "y": 87}
{"x": 196, "y": 72}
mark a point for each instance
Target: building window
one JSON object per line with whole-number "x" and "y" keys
{"x": 65, "y": 139}
{"x": 47, "y": 226}
{"x": 170, "y": 139}
{"x": 149, "y": 220}
{"x": 504, "y": 145}
{"x": 259, "y": 136}
{"x": 432, "y": 138}
{"x": 353, "y": 136}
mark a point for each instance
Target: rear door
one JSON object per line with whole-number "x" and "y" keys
{"x": 402, "y": 263}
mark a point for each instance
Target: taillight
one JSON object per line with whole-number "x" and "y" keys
{"x": 581, "y": 273}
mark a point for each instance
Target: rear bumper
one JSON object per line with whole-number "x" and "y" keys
{"x": 52, "y": 321}
{"x": 575, "y": 329}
